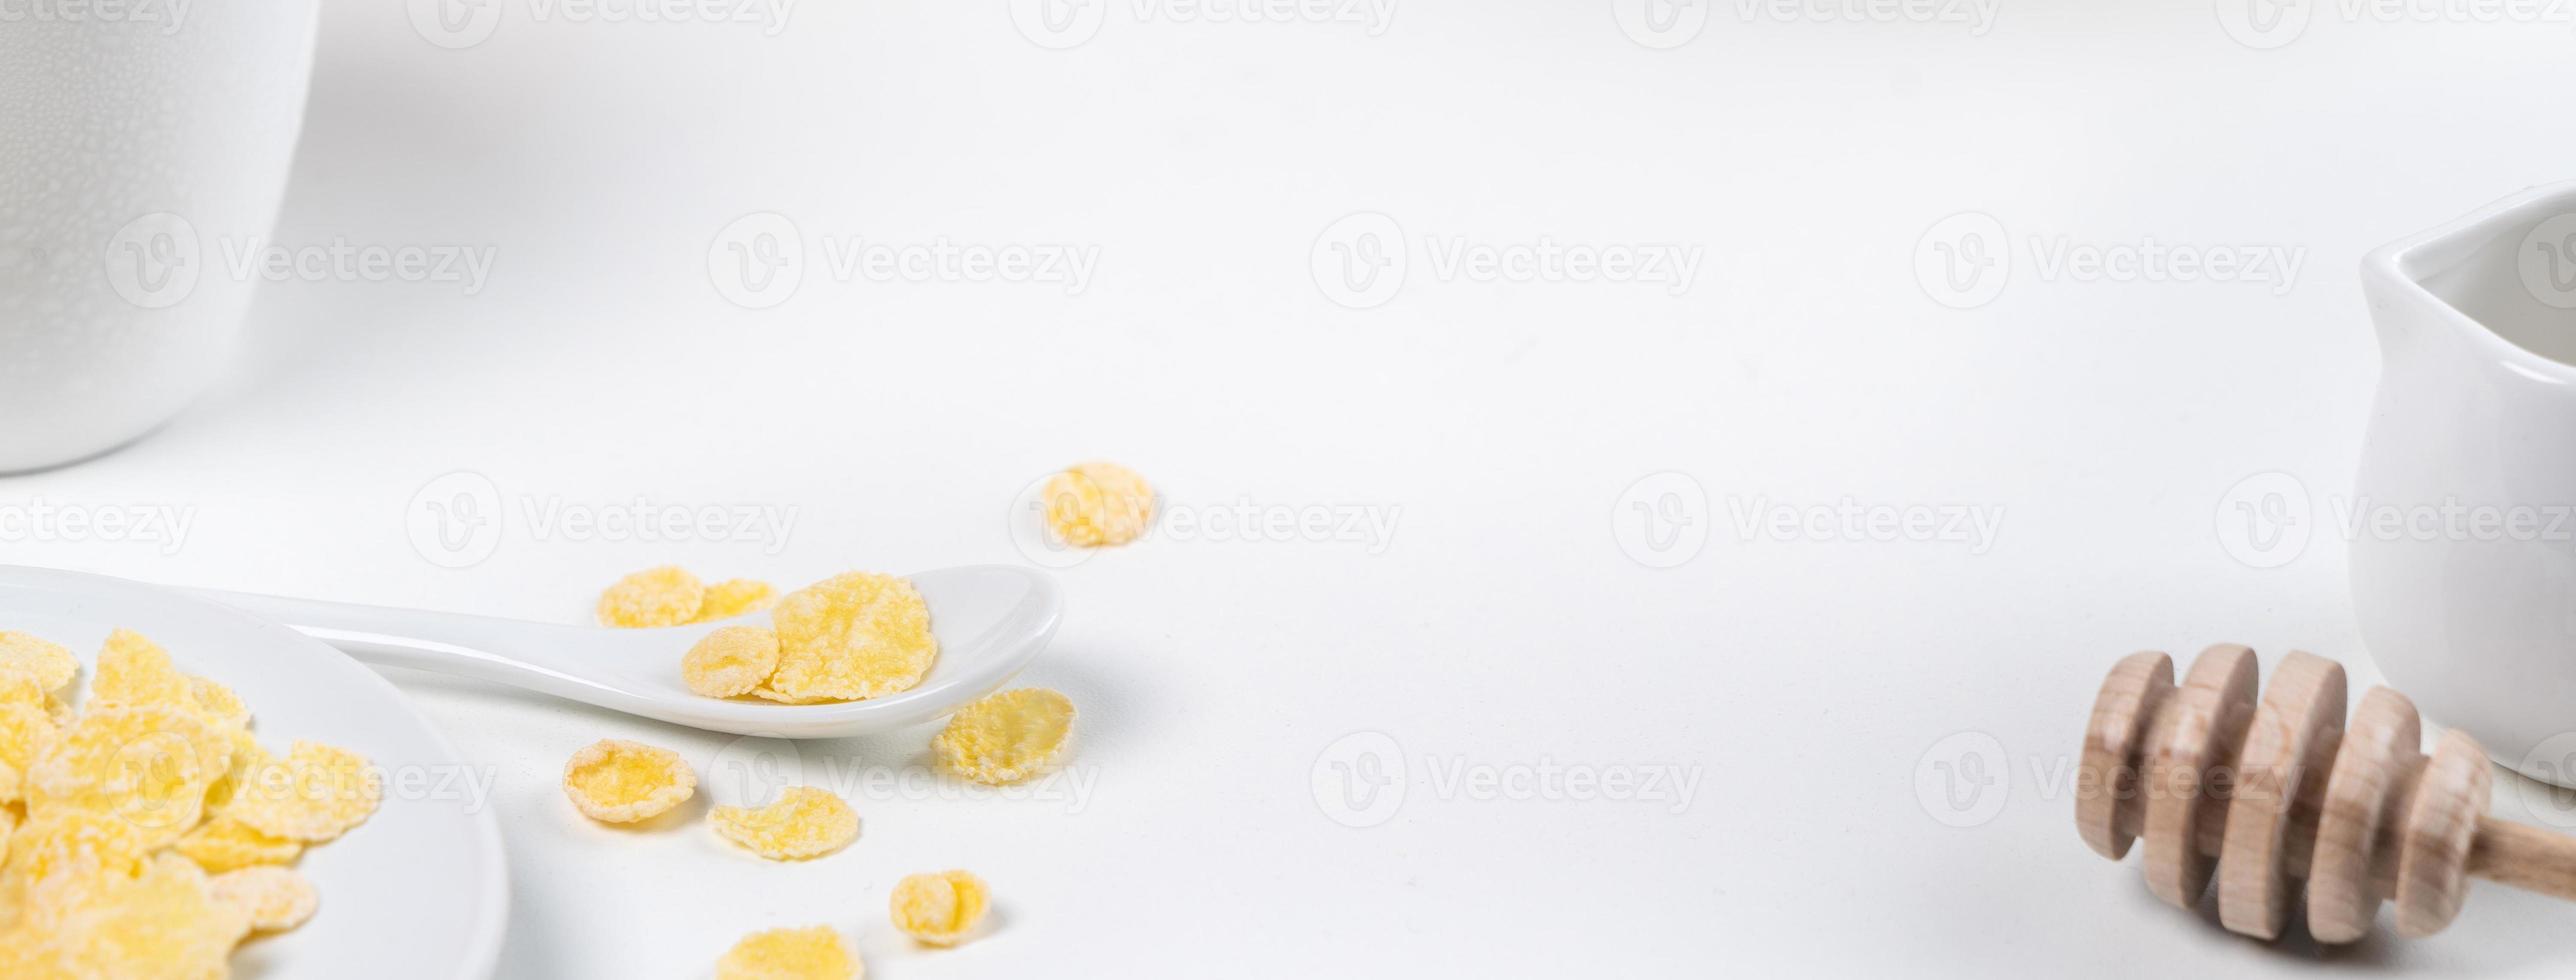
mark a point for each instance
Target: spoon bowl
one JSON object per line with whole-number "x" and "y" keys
{"x": 990, "y": 620}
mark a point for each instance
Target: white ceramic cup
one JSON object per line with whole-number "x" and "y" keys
{"x": 2463, "y": 518}
{"x": 139, "y": 142}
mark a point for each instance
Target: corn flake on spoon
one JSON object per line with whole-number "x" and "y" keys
{"x": 991, "y": 620}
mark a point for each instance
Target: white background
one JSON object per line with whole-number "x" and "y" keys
{"x": 1812, "y": 683}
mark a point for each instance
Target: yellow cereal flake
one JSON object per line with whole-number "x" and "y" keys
{"x": 217, "y": 702}
{"x": 225, "y": 844}
{"x": 938, "y": 908}
{"x": 270, "y": 898}
{"x": 26, "y": 734}
{"x": 47, "y": 661}
{"x": 665, "y": 596}
{"x": 805, "y": 822}
{"x": 314, "y": 794}
{"x": 149, "y": 765}
{"x": 1091, "y": 505}
{"x": 852, "y": 636}
{"x": 1007, "y": 736}
{"x": 617, "y": 781}
{"x": 810, "y": 953}
{"x": 19, "y": 685}
{"x": 730, "y": 661}
{"x": 734, "y": 597}
{"x": 59, "y": 853}
{"x": 163, "y": 922}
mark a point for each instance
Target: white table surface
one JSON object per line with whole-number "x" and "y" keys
{"x": 1807, "y": 683}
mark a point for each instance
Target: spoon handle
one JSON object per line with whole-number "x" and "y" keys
{"x": 508, "y": 651}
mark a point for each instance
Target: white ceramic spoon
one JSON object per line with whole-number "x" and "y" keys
{"x": 991, "y": 620}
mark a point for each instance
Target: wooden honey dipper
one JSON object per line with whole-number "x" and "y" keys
{"x": 2256, "y": 794}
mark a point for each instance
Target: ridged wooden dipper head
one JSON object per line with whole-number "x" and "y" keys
{"x": 2259, "y": 794}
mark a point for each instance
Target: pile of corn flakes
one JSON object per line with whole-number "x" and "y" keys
{"x": 149, "y": 832}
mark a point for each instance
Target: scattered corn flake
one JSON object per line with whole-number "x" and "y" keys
{"x": 248, "y": 757}
{"x": 149, "y": 765}
{"x": 939, "y": 908}
{"x": 851, "y": 636}
{"x": 26, "y": 734}
{"x": 617, "y": 781}
{"x": 664, "y": 596}
{"x": 730, "y": 661}
{"x": 810, "y": 953}
{"x": 1007, "y": 736}
{"x": 50, "y": 663}
{"x": 734, "y": 597}
{"x": 314, "y": 794}
{"x": 225, "y": 844}
{"x": 805, "y": 822}
{"x": 1092, "y": 505}
{"x": 271, "y": 898}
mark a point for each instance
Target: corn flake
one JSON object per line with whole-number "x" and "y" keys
{"x": 270, "y": 898}
{"x": 149, "y": 765}
{"x": 1092, "y": 505}
{"x": 810, "y": 953}
{"x": 1007, "y": 736}
{"x": 852, "y": 636}
{"x": 47, "y": 661}
{"x": 805, "y": 822}
{"x": 734, "y": 597}
{"x": 664, "y": 596}
{"x": 163, "y": 922}
{"x": 225, "y": 844}
{"x": 133, "y": 670}
{"x": 26, "y": 734}
{"x": 730, "y": 661}
{"x": 938, "y": 908}
{"x": 617, "y": 781}
{"x": 314, "y": 794}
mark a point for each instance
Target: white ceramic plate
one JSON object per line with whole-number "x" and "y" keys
{"x": 419, "y": 890}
